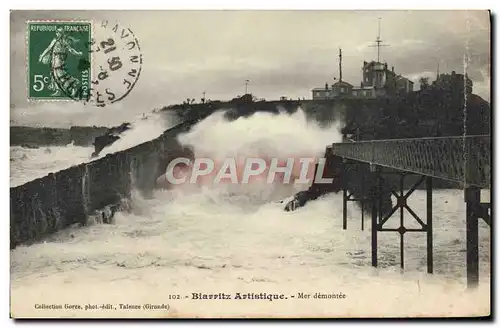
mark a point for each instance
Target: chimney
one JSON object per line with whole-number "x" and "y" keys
{"x": 393, "y": 69}
{"x": 326, "y": 86}
{"x": 453, "y": 73}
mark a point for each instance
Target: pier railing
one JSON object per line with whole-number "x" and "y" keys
{"x": 463, "y": 159}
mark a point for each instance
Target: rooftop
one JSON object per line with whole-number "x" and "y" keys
{"x": 363, "y": 88}
{"x": 342, "y": 83}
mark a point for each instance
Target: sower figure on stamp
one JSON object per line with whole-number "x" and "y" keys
{"x": 55, "y": 55}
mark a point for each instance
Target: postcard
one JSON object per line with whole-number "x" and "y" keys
{"x": 250, "y": 164}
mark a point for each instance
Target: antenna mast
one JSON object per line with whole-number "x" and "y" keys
{"x": 340, "y": 64}
{"x": 379, "y": 42}
{"x": 246, "y": 86}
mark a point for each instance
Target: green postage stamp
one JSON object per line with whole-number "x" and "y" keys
{"x": 59, "y": 60}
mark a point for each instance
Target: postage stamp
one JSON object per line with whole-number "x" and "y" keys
{"x": 58, "y": 62}
{"x": 96, "y": 63}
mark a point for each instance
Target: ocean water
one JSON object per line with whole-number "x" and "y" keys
{"x": 233, "y": 239}
{"x": 27, "y": 164}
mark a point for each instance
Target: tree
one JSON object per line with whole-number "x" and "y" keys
{"x": 424, "y": 82}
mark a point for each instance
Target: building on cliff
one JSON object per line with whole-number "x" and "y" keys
{"x": 453, "y": 82}
{"x": 378, "y": 81}
{"x": 385, "y": 81}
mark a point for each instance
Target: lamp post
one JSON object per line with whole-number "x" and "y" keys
{"x": 246, "y": 86}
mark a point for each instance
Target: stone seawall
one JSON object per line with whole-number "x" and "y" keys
{"x": 68, "y": 197}
{"x": 33, "y": 136}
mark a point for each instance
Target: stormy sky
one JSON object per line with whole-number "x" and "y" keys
{"x": 282, "y": 53}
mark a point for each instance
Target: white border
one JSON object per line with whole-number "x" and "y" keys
{"x": 256, "y": 4}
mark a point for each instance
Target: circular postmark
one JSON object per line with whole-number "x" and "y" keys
{"x": 110, "y": 71}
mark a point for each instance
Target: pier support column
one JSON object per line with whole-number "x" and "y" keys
{"x": 403, "y": 206}
{"x": 430, "y": 258}
{"x": 362, "y": 203}
{"x": 374, "y": 232}
{"x": 402, "y": 230}
{"x": 348, "y": 195}
{"x": 344, "y": 209}
{"x": 473, "y": 203}
{"x": 376, "y": 202}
